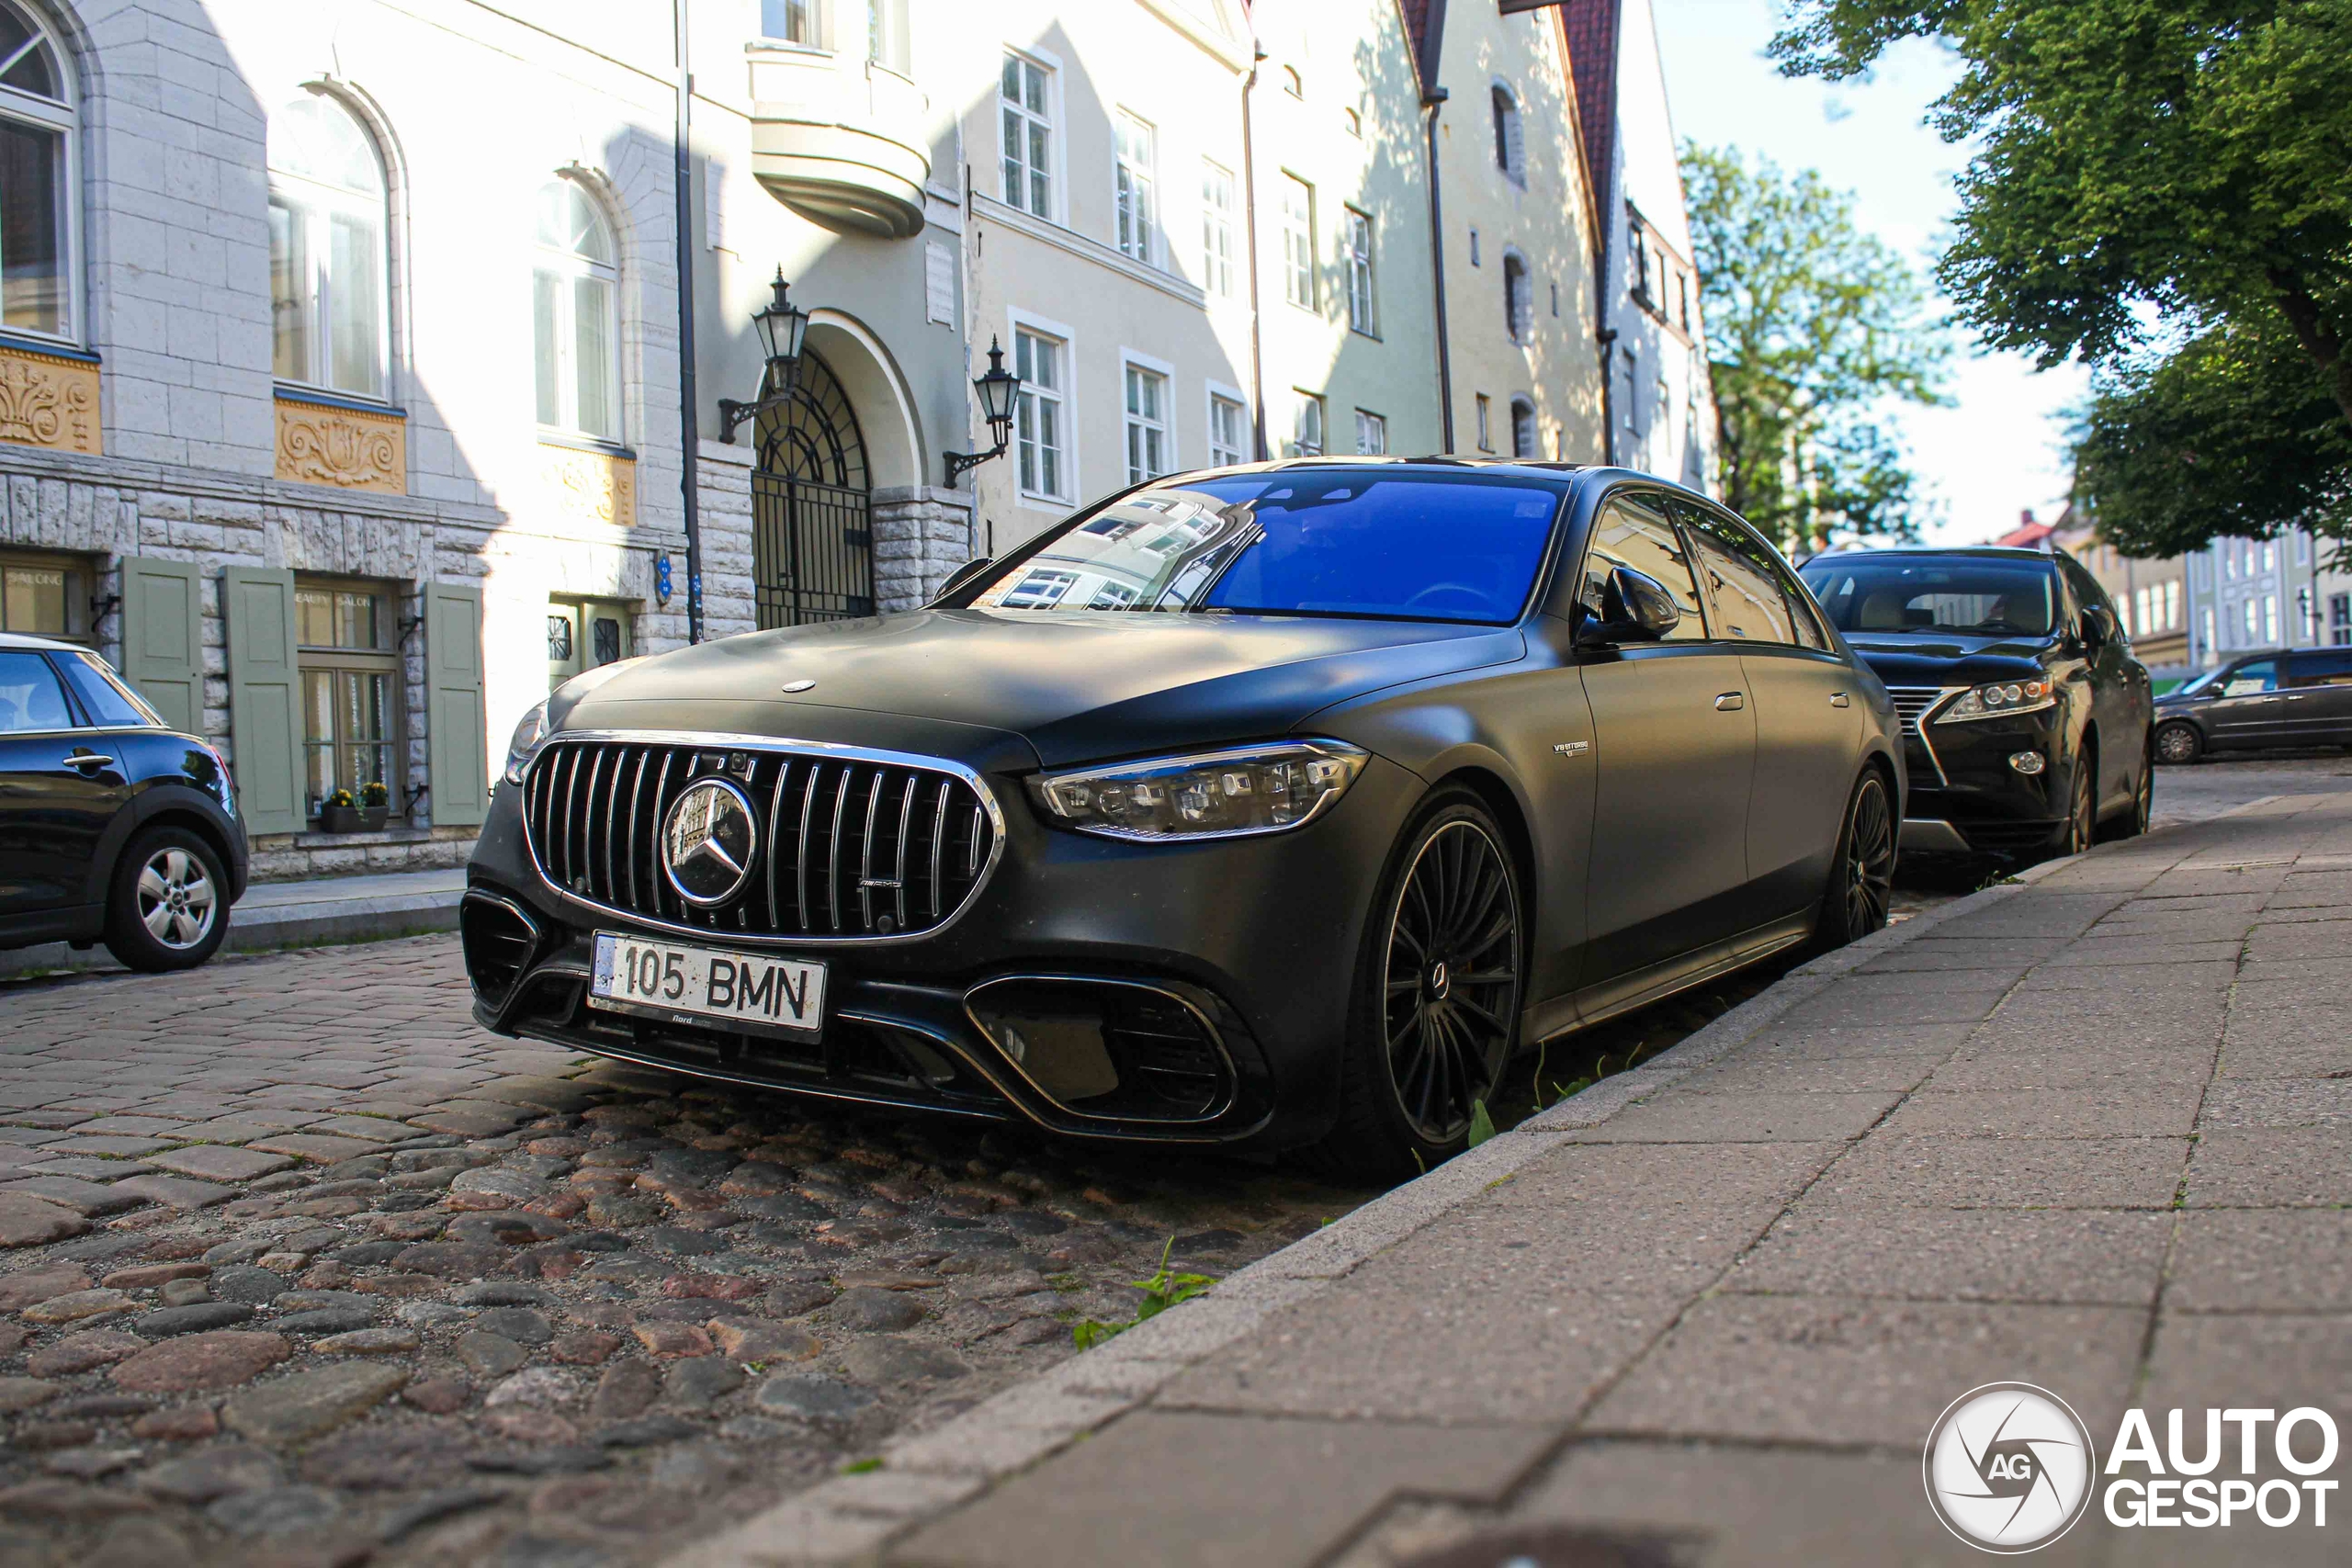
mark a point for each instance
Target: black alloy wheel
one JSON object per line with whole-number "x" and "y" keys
{"x": 2178, "y": 742}
{"x": 1861, "y": 877}
{"x": 2135, "y": 822}
{"x": 1450, "y": 998}
{"x": 1439, "y": 993}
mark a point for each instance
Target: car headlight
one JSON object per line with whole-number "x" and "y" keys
{"x": 1209, "y": 794}
{"x": 527, "y": 736}
{"x": 1999, "y": 699}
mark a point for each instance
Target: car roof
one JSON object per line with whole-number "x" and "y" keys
{"x": 26, "y": 640}
{"x": 1979, "y": 552}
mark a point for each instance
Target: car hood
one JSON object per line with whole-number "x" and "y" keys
{"x": 1947, "y": 658}
{"x": 1075, "y": 686}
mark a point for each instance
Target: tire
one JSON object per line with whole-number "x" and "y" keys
{"x": 167, "y": 903}
{"x": 1862, "y": 871}
{"x": 2081, "y": 828}
{"x": 2178, "y": 742}
{"x": 1435, "y": 1015}
{"x": 2133, "y": 821}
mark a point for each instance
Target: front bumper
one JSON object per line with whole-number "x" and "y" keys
{"x": 1965, "y": 798}
{"x": 1218, "y": 976}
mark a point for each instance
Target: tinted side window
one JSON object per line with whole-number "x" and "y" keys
{"x": 1740, "y": 580}
{"x": 103, "y": 697}
{"x": 1631, "y": 530}
{"x": 2251, "y": 680}
{"x": 30, "y": 698}
{"x": 2329, "y": 668}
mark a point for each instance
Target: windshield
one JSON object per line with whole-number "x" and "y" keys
{"x": 1313, "y": 542}
{"x": 1973, "y": 595}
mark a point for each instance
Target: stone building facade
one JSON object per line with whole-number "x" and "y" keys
{"x": 365, "y": 370}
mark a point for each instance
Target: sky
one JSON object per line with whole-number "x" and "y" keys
{"x": 1997, "y": 450}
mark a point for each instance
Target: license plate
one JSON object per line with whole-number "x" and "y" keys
{"x": 701, "y": 985}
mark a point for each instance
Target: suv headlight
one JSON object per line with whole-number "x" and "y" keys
{"x": 1999, "y": 700}
{"x": 1208, "y": 794}
{"x": 527, "y": 736}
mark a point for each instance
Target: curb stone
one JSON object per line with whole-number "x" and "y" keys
{"x": 850, "y": 1519}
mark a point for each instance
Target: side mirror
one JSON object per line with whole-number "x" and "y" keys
{"x": 961, "y": 577}
{"x": 1634, "y": 608}
{"x": 2099, "y": 626}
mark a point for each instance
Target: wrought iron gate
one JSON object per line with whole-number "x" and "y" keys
{"x": 812, "y": 538}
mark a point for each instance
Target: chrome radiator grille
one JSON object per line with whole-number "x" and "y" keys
{"x": 847, "y": 847}
{"x": 1910, "y": 702}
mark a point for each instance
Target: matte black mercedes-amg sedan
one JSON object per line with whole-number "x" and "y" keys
{"x": 1273, "y": 806}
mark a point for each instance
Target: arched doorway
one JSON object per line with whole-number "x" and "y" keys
{"x": 812, "y": 536}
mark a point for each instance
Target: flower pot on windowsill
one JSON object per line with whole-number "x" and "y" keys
{"x": 353, "y": 818}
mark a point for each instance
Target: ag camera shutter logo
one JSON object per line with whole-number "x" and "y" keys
{"x": 2010, "y": 1467}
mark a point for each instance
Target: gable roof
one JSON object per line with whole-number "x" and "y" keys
{"x": 1591, "y": 27}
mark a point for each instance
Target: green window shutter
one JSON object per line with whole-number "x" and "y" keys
{"x": 264, "y": 698}
{"x": 454, "y": 739}
{"x": 163, "y": 637}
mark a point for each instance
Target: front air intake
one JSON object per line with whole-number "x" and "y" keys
{"x": 500, "y": 941}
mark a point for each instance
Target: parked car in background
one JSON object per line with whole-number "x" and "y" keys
{"x": 2283, "y": 698}
{"x": 2026, "y": 722}
{"x": 1273, "y": 806}
{"x": 113, "y": 828}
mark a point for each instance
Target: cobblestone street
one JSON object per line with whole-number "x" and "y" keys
{"x": 303, "y": 1268}
{"x": 307, "y": 1269}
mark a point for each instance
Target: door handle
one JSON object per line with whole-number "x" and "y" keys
{"x": 1841, "y": 700}
{"x": 88, "y": 760}
{"x": 1731, "y": 701}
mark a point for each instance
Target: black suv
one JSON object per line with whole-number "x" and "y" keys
{"x": 2300, "y": 697}
{"x": 2026, "y": 719}
{"x": 113, "y": 827}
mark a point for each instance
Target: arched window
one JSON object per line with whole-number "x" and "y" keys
{"x": 1518, "y": 298}
{"x": 1510, "y": 148}
{"x": 329, "y": 310}
{"x": 1522, "y": 429}
{"x": 575, "y": 315}
{"x": 36, "y": 182}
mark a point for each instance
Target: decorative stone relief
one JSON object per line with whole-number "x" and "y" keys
{"x": 321, "y": 444}
{"x": 48, "y": 401}
{"x": 590, "y": 487}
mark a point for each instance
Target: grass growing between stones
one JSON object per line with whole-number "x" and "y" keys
{"x": 1162, "y": 1290}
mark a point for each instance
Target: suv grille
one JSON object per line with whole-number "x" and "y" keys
{"x": 847, "y": 847}
{"x": 1910, "y": 702}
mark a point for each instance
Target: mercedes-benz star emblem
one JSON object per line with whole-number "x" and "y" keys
{"x": 708, "y": 841}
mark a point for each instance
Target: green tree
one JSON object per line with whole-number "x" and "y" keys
{"x": 1813, "y": 328}
{"x": 2234, "y": 433}
{"x": 2133, "y": 159}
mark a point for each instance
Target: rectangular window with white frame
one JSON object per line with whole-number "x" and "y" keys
{"x": 1134, "y": 204}
{"x": 1216, "y": 230}
{"x": 1041, "y": 439}
{"x": 1372, "y": 434}
{"x": 1150, "y": 443}
{"x": 1306, "y": 425}
{"x": 1024, "y": 103}
{"x": 1364, "y": 314}
{"x": 1228, "y": 430}
{"x": 1298, "y": 241}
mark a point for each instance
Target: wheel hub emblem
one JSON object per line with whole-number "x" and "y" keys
{"x": 708, "y": 841}
{"x": 1440, "y": 982}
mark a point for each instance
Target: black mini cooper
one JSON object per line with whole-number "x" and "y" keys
{"x": 1275, "y": 804}
{"x": 2026, "y": 719}
{"x": 114, "y": 827}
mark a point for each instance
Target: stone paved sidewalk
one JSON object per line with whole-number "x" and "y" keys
{"x": 2093, "y": 1131}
